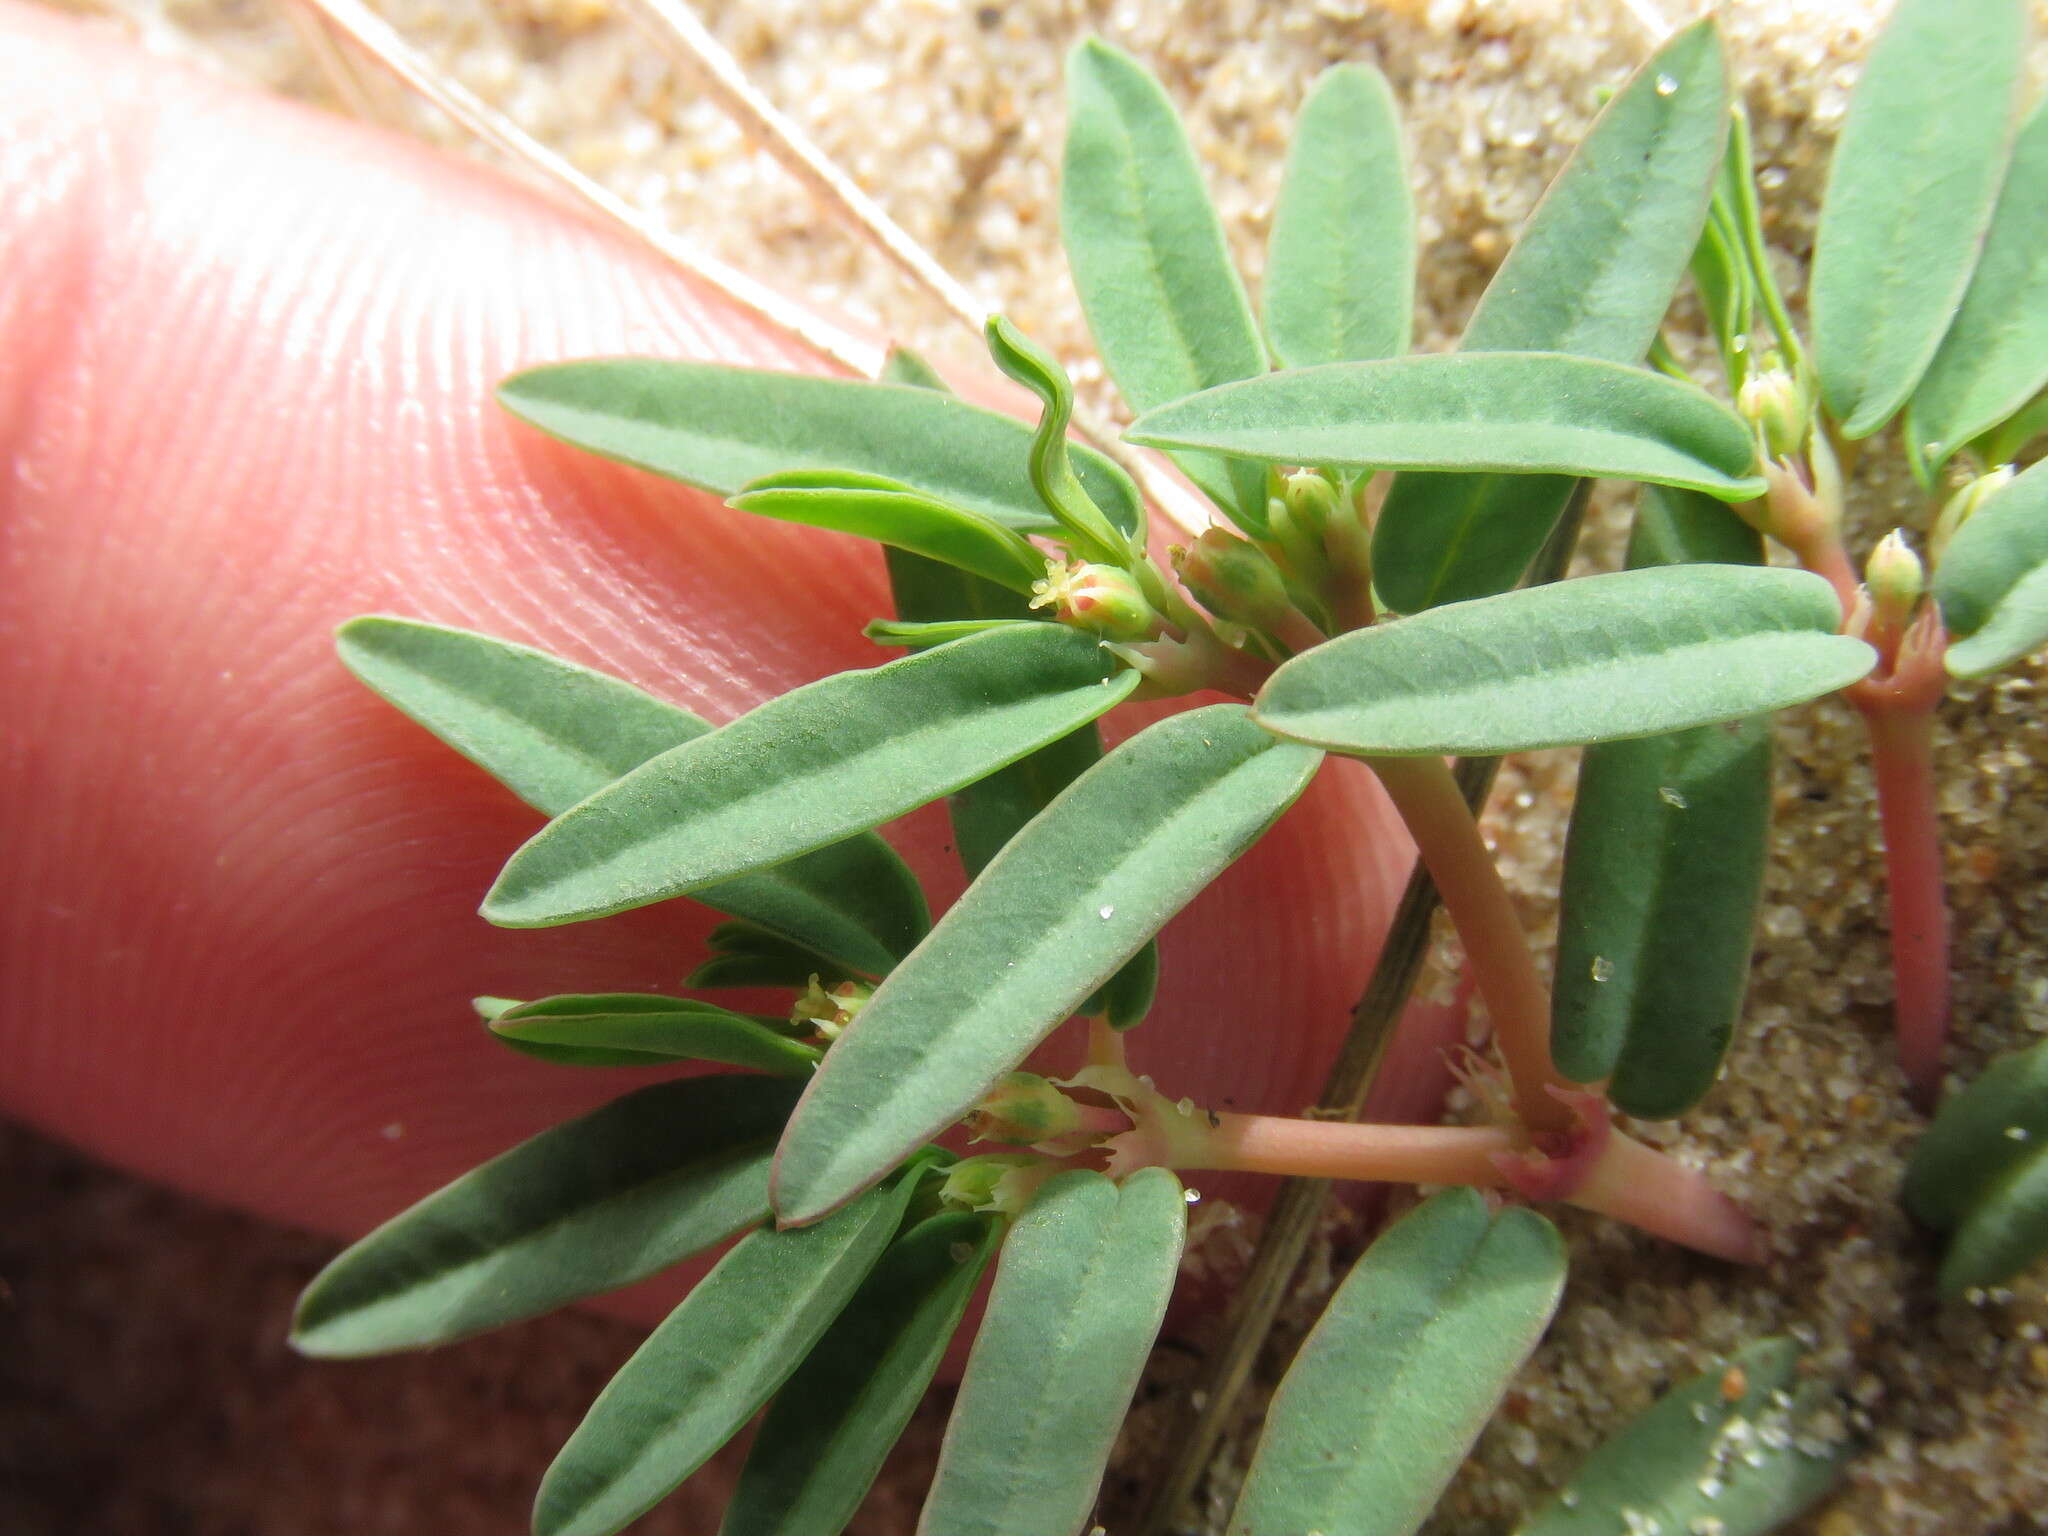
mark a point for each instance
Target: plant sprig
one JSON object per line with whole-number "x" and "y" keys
{"x": 1386, "y": 507}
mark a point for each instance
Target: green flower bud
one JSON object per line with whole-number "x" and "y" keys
{"x": 1311, "y": 501}
{"x": 1959, "y": 508}
{"x": 1895, "y": 579}
{"x": 1772, "y": 402}
{"x": 1024, "y": 1109}
{"x": 1235, "y": 580}
{"x": 999, "y": 1181}
{"x": 1102, "y": 599}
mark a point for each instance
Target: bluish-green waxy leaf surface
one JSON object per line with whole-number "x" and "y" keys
{"x": 1068, "y": 901}
{"x": 555, "y": 733}
{"x": 1995, "y": 355}
{"x": 830, "y": 1428}
{"x": 1979, "y": 1137}
{"x": 631, "y": 1029}
{"x": 1592, "y": 274}
{"x": 1738, "y": 1450}
{"x": 708, "y": 1369}
{"x": 1403, "y": 1371}
{"x": 587, "y": 1207}
{"x": 1521, "y": 412}
{"x": 1148, "y": 257}
{"x": 1663, "y": 871}
{"x": 839, "y": 756}
{"x": 1980, "y": 1174}
{"x": 1340, "y": 265}
{"x": 1909, "y": 196}
{"x": 1079, "y": 1294}
{"x": 1085, "y": 530}
{"x": 2004, "y": 1234}
{"x": 1602, "y": 658}
{"x": 1992, "y": 582}
{"x": 989, "y": 812}
{"x": 718, "y": 428}
{"x": 890, "y": 512}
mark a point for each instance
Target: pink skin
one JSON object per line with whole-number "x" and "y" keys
{"x": 245, "y": 361}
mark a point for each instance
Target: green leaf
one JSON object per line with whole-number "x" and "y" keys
{"x": 1084, "y": 529}
{"x": 905, "y": 366}
{"x": 589, "y": 1206}
{"x": 1663, "y": 871}
{"x": 1980, "y": 1137}
{"x": 1703, "y": 1459}
{"x": 989, "y": 812}
{"x": 1995, "y": 355}
{"x": 1525, "y": 412}
{"x": 555, "y": 733}
{"x": 718, "y": 428}
{"x": 1123, "y": 1001}
{"x": 828, "y": 1431}
{"x": 1340, "y": 265}
{"x": 2004, "y": 1234}
{"x": 1909, "y": 197}
{"x": 1148, "y": 256}
{"x": 1591, "y": 275}
{"x": 1067, "y": 902}
{"x": 1079, "y": 1294}
{"x": 1992, "y": 582}
{"x": 922, "y": 637}
{"x": 2005, "y": 442}
{"x": 838, "y": 756}
{"x": 890, "y": 512}
{"x": 1402, "y": 1371}
{"x": 745, "y": 956}
{"x": 630, "y": 1029}
{"x": 707, "y": 1369}
{"x": 1598, "y": 659}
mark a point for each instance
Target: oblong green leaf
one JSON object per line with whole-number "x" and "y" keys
{"x": 1995, "y": 355}
{"x": 1602, "y": 658}
{"x": 745, "y": 956}
{"x": 1402, "y": 1371}
{"x": 712, "y": 1364}
{"x": 1992, "y": 582}
{"x": 1664, "y": 868}
{"x": 1526, "y": 412}
{"x": 589, "y": 1206}
{"x": 1592, "y": 274}
{"x": 1736, "y": 1451}
{"x": 1979, "y": 1137}
{"x": 1065, "y": 903}
{"x": 1340, "y": 264}
{"x": 1909, "y": 195}
{"x": 989, "y": 812}
{"x": 1148, "y": 256}
{"x": 2003, "y": 1234}
{"x": 835, "y": 757}
{"x": 831, "y": 1426}
{"x": 633, "y": 1029}
{"x": 1663, "y": 872}
{"x": 1079, "y": 1295}
{"x": 890, "y": 512}
{"x": 718, "y": 428}
{"x": 555, "y": 733}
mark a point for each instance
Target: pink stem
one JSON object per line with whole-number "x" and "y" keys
{"x": 1341, "y": 1149}
{"x": 1496, "y": 949}
{"x": 1902, "y": 754}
